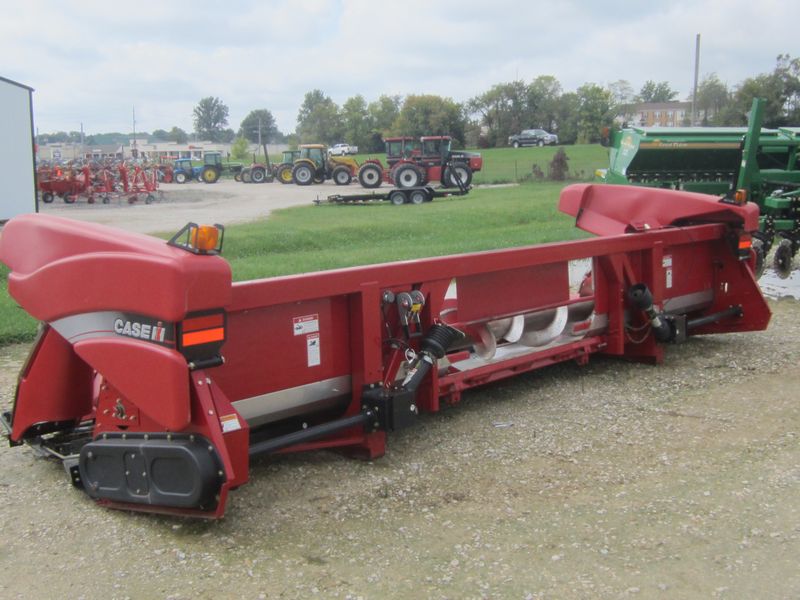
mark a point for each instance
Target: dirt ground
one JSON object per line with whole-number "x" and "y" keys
{"x": 225, "y": 202}
{"x": 612, "y": 480}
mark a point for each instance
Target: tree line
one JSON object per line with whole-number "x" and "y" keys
{"x": 487, "y": 119}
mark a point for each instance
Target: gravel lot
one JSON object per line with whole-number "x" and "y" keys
{"x": 225, "y": 202}
{"x": 612, "y": 480}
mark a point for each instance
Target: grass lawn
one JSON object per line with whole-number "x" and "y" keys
{"x": 312, "y": 238}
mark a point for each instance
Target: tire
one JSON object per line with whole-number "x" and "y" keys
{"x": 758, "y": 250}
{"x": 258, "y": 175}
{"x": 370, "y": 175}
{"x": 417, "y": 196}
{"x": 180, "y": 177}
{"x": 782, "y": 261}
{"x": 69, "y": 199}
{"x": 515, "y": 144}
{"x": 303, "y": 174}
{"x": 462, "y": 170}
{"x": 210, "y": 175}
{"x": 341, "y": 175}
{"x": 237, "y": 176}
{"x": 540, "y": 143}
{"x": 247, "y": 176}
{"x": 47, "y": 197}
{"x": 397, "y": 197}
{"x": 407, "y": 176}
{"x": 284, "y": 174}
{"x": 106, "y": 199}
{"x": 150, "y": 199}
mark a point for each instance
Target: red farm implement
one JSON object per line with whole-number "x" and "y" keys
{"x": 68, "y": 183}
{"x": 139, "y": 180}
{"x": 156, "y": 380}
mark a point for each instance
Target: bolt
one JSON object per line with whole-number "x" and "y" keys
{"x": 376, "y": 424}
{"x": 105, "y": 412}
{"x": 124, "y": 436}
{"x": 199, "y": 382}
{"x": 169, "y": 437}
{"x": 220, "y": 473}
{"x": 144, "y": 473}
{"x": 146, "y": 437}
{"x": 211, "y": 448}
{"x": 127, "y": 473}
{"x": 211, "y": 412}
{"x": 89, "y": 454}
{"x": 191, "y": 438}
{"x": 208, "y": 380}
{"x": 138, "y": 491}
{"x": 105, "y": 436}
{"x": 132, "y": 417}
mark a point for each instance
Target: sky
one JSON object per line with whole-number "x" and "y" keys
{"x": 93, "y": 62}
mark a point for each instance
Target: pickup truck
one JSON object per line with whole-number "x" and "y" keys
{"x": 342, "y": 150}
{"x": 532, "y": 137}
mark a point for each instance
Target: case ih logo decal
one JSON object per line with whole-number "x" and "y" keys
{"x": 152, "y": 332}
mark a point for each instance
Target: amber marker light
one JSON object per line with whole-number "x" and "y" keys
{"x": 204, "y": 237}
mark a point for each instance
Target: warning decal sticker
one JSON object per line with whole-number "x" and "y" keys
{"x": 230, "y": 423}
{"x": 312, "y": 346}
{"x": 305, "y": 325}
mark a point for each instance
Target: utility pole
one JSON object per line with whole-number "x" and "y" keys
{"x": 135, "y": 152}
{"x": 83, "y": 143}
{"x": 696, "y": 73}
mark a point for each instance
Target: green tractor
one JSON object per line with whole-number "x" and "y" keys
{"x": 213, "y": 167}
{"x": 313, "y": 165}
{"x": 283, "y": 170}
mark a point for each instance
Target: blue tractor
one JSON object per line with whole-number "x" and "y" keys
{"x": 184, "y": 171}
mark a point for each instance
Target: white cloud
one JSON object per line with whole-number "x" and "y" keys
{"x": 91, "y": 62}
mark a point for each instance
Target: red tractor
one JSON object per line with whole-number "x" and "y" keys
{"x": 413, "y": 163}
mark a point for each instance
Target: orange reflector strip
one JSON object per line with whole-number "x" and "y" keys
{"x": 744, "y": 244}
{"x": 205, "y": 336}
{"x": 204, "y": 322}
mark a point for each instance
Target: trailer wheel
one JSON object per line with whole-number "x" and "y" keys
{"x": 258, "y": 175}
{"x": 417, "y": 196}
{"x": 285, "y": 174}
{"x": 397, "y": 197}
{"x": 303, "y": 174}
{"x": 370, "y": 175}
{"x": 461, "y": 170}
{"x": 180, "y": 177}
{"x": 47, "y": 197}
{"x": 69, "y": 199}
{"x": 782, "y": 261}
{"x": 341, "y": 175}
{"x": 150, "y": 199}
{"x": 407, "y": 176}
{"x": 106, "y": 199}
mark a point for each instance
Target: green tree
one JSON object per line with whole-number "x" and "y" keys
{"x": 382, "y": 114}
{"x": 657, "y": 92}
{"x": 210, "y": 118}
{"x": 178, "y": 135}
{"x": 502, "y": 110}
{"x": 240, "y": 147}
{"x": 319, "y": 119}
{"x": 567, "y": 118}
{"x": 713, "y": 97}
{"x": 160, "y": 135}
{"x": 431, "y": 115}
{"x": 263, "y": 118}
{"x": 594, "y": 112}
{"x": 356, "y": 122}
{"x": 544, "y": 94}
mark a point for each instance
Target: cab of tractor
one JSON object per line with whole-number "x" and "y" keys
{"x": 436, "y": 146}
{"x": 401, "y": 148}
